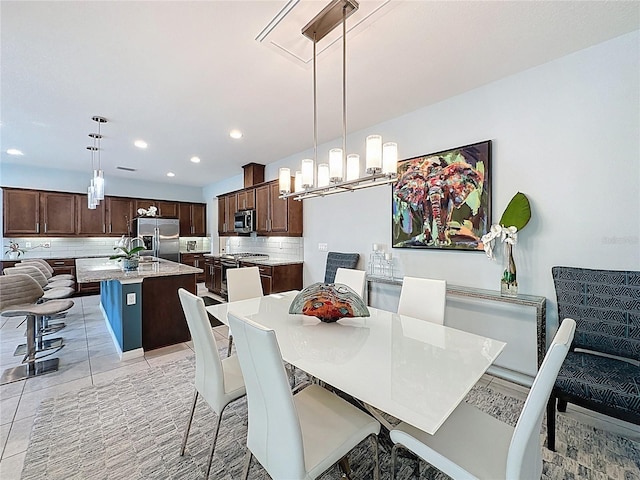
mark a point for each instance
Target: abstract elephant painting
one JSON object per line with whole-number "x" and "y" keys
{"x": 443, "y": 200}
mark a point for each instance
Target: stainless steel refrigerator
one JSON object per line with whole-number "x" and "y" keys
{"x": 161, "y": 236}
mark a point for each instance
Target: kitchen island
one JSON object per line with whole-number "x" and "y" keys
{"x": 141, "y": 307}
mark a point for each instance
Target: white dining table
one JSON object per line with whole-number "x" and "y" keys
{"x": 414, "y": 370}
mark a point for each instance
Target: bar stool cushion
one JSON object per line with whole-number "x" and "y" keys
{"x": 18, "y": 294}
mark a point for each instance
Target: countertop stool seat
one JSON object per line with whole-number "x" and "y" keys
{"x": 50, "y": 293}
{"x": 19, "y": 295}
{"x": 48, "y": 270}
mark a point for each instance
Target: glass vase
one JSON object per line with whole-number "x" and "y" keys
{"x": 509, "y": 282}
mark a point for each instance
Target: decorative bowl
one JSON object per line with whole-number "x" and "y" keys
{"x": 329, "y": 302}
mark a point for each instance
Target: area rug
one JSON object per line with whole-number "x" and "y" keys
{"x": 133, "y": 427}
{"x": 211, "y": 301}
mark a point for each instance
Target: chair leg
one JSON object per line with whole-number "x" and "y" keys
{"x": 247, "y": 464}
{"x": 213, "y": 445}
{"x": 186, "y": 433}
{"x": 229, "y": 345}
{"x": 551, "y": 423}
{"x": 394, "y": 458}
{"x": 374, "y": 441}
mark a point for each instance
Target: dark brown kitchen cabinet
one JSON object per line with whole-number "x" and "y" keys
{"x": 144, "y": 204}
{"x": 167, "y": 209}
{"x": 193, "y": 219}
{"x": 246, "y": 199}
{"x": 278, "y": 278}
{"x": 276, "y": 216}
{"x": 227, "y": 207}
{"x": 32, "y": 212}
{"x": 21, "y": 212}
{"x": 90, "y": 222}
{"x": 195, "y": 260}
{"x": 58, "y": 213}
{"x": 119, "y": 214}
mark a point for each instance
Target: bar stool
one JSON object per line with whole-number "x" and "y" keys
{"x": 47, "y": 271}
{"x": 44, "y": 326}
{"x": 19, "y": 295}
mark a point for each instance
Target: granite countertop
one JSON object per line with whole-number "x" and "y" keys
{"x": 99, "y": 269}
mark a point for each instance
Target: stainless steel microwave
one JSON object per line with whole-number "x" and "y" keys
{"x": 245, "y": 221}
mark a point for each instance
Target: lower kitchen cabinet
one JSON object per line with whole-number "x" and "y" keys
{"x": 213, "y": 275}
{"x": 278, "y": 278}
{"x": 195, "y": 260}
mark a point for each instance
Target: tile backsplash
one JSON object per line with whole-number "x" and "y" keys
{"x": 280, "y": 248}
{"x": 63, "y": 247}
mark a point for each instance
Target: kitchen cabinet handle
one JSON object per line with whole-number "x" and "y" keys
{"x": 110, "y": 228}
{"x": 37, "y": 227}
{"x": 104, "y": 228}
{"x": 58, "y": 263}
{"x": 45, "y": 227}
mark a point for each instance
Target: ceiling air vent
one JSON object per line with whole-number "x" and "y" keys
{"x": 127, "y": 169}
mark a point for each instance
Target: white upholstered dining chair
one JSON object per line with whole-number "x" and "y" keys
{"x": 242, "y": 284}
{"x": 294, "y": 437}
{"x": 218, "y": 381}
{"x": 423, "y": 298}
{"x": 354, "y": 279}
{"x": 472, "y": 444}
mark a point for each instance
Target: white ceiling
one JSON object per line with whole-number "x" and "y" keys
{"x": 181, "y": 74}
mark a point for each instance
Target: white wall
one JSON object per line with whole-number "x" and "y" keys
{"x": 18, "y": 176}
{"x": 566, "y": 133}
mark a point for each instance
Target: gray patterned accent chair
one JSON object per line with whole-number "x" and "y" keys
{"x": 606, "y": 307}
{"x": 337, "y": 260}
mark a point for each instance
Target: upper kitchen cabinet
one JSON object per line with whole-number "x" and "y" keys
{"x": 167, "y": 209}
{"x": 90, "y": 222}
{"x": 246, "y": 199}
{"x": 276, "y": 216}
{"x": 119, "y": 214}
{"x": 31, "y": 212}
{"x": 193, "y": 219}
{"x": 145, "y": 204}
{"x": 227, "y": 206}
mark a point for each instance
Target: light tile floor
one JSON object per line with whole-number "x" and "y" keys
{"x": 89, "y": 358}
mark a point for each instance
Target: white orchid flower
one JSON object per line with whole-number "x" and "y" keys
{"x": 506, "y": 234}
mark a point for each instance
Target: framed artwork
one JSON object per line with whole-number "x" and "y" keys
{"x": 443, "y": 200}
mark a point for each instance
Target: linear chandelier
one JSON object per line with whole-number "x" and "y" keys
{"x": 340, "y": 174}
{"x": 95, "y": 192}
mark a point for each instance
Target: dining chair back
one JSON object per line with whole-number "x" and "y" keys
{"x": 354, "y": 279}
{"x": 337, "y": 260}
{"x": 460, "y": 447}
{"x": 18, "y": 289}
{"x": 299, "y": 436}
{"x": 218, "y": 381}
{"x": 423, "y": 298}
{"x": 243, "y": 283}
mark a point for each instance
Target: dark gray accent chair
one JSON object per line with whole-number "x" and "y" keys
{"x": 606, "y": 307}
{"x": 336, "y": 260}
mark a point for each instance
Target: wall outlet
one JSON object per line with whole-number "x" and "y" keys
{"x": 27, "y": 244}
{"x": 323, "y": 247}
{"x": 131, "y": 298}
{"x": 46, "y": 244}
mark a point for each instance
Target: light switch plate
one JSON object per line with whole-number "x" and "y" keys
{"x": 131, "y": 298}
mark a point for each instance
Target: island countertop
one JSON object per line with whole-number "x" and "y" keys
{"x": 101, "y": 269}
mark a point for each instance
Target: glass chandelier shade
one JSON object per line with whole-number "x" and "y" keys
{"x": 95, "y": 191}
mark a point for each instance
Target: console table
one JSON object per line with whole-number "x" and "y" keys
{"x": 539, "y": 303}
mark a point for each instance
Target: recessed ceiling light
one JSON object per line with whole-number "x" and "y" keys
{"x": 140, "y": 144}
{"x": 14, "y": 151}
{"x": 171, "y": 174}
{"x": 195, "y": 159}
{"x": 235, "y": 134}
